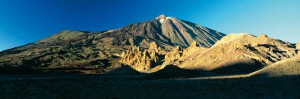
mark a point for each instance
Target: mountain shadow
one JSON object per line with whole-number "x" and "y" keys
{"x": 16, "y": 70}
{"x": 285, "y": 87}
{"x": 123, "y": 70}
{"x": 172, "y": 71}
{"x": 28, "y": 70}
{"x": 238, "y": 68}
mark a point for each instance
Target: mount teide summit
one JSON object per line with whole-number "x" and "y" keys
{"x": 165, "y": 31}
{"x": 81, "y": 50}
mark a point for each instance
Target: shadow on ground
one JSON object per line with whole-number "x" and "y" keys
{"x": 238, "y": 68}
{"x": 174, "y": 72}
{"x": 107, "y": 86}
{"x": 170, "y": 82}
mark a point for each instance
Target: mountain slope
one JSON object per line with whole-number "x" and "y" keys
{"x": 282, "y": 68}
{"x": 101, "y": 51}
{"x": 169, "y": 30}
{"x": 240, "y": 53}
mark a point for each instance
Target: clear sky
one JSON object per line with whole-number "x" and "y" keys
{"x": 27, "y": 21}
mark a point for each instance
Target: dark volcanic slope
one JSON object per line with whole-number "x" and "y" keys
{"x": 100, "y": 51}
{"x": 169, "y": 30}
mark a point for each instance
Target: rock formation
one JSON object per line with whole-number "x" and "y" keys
{"x": 174, "y": 56}
{"x": 146, "y": 60}
{"x": 142, "y": 60}
{"x": 192, "y": 49}
{"x": 178, "y": 54}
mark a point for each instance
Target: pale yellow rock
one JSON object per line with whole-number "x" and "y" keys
{"x": 142, "y": 60}
{"x": 153, "y": 47}
{"x": 285, "y": 67}
{"x": 239, "y": 49}
{"x": 178, "y": 55}
{"x": 175, "y": 54}
{"x": 194, "y": 44}
{"x": 298, "y": 46}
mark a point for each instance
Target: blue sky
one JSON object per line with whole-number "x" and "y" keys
{"x": 27, "y": 21}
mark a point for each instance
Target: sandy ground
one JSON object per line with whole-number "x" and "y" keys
{"x": 133, "y": 87}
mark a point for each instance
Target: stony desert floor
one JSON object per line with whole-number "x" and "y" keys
{"x": 73, "y": 86}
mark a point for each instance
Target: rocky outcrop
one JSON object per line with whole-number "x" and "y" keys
{"x": 142, "y": 60}
{"x": 192, "y": 49}
{"x": 174, "y": 56}
{"x": 146, "y": 60}
{"x": 178, "y": 54}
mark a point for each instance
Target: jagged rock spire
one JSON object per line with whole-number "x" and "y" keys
{"x": 177, "y": 48}
{"x": 141, "y": 59}
{"x": 194, "y": 44}
{"x": 153, "y": 47}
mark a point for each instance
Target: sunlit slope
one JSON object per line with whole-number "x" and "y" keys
{"x": 287, "y": 67}
{"x": 240, "y": 53}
